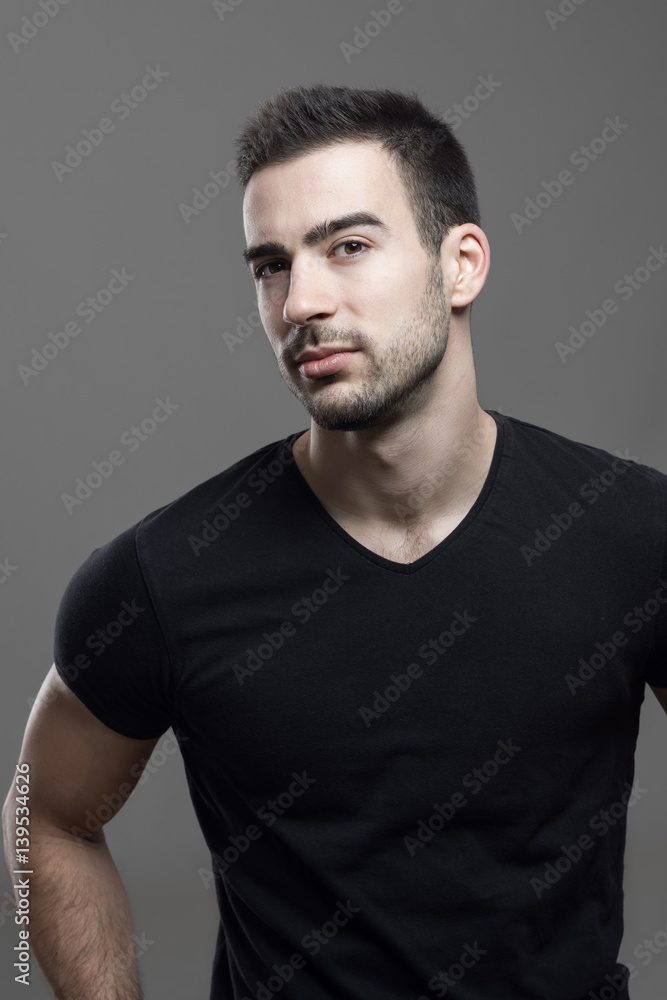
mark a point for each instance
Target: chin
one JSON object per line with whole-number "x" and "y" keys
{"x": 336, "y": 420}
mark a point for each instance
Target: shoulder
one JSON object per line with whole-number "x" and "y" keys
{"x": 178, "y": 530}
{"x": 163, "y": 536}
{"x": 548, "y": 449}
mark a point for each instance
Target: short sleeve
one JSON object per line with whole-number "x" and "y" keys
{"x": 655, "y": 670}
{"x": 108, "y": 645}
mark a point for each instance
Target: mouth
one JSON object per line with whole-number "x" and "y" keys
{"x": 324, "y": 361}
{"x": 317, "y": 353}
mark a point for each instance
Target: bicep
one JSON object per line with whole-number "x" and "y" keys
{"x": 77, "y": 764}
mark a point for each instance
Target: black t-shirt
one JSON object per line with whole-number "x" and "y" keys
{"x": 410, "y": 776}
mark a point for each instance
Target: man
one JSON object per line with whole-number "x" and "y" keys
{"x": 404, "y": 651}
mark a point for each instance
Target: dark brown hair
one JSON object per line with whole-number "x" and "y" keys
{"x": 430, "y": 160}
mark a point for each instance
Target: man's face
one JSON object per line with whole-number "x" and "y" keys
{"x": 367, "y": 288}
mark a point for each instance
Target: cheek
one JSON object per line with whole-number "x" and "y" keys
{"x": 273, "y": 327}
{"x": 271, "y": 303}
{"x": 389, "y": 295}
{"x": 272, "y": 336}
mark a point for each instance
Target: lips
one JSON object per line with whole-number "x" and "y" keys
{"x": 327, "y": 363}
{"x": 316, "y": 354}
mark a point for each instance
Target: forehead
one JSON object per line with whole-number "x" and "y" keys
{"x": 320, "y": 184}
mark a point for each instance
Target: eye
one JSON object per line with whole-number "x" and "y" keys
{"x": 280, "y": 263}
{"x": 351, "y": 243}
{"x": 271, "y": 263}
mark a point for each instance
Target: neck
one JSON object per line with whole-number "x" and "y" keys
{"x": 422, "y": 467}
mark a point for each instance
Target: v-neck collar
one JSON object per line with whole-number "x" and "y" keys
{"x": 390, "y": 564}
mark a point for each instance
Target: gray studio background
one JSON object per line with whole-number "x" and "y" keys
{"x": 555, "y": 83}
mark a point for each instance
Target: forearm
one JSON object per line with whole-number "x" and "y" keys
{"x": 80, "y": 921}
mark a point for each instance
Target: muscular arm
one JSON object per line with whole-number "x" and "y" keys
{"x": 80, "y": 922}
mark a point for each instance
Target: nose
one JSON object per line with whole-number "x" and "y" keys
{"x": 308, "y": 297}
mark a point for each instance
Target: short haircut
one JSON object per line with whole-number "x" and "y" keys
{"x": 430, "y": 161}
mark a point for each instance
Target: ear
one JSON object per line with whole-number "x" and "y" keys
{"x": 467, "y": 258}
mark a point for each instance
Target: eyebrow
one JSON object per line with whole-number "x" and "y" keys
{"x": 319, "y": 232}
